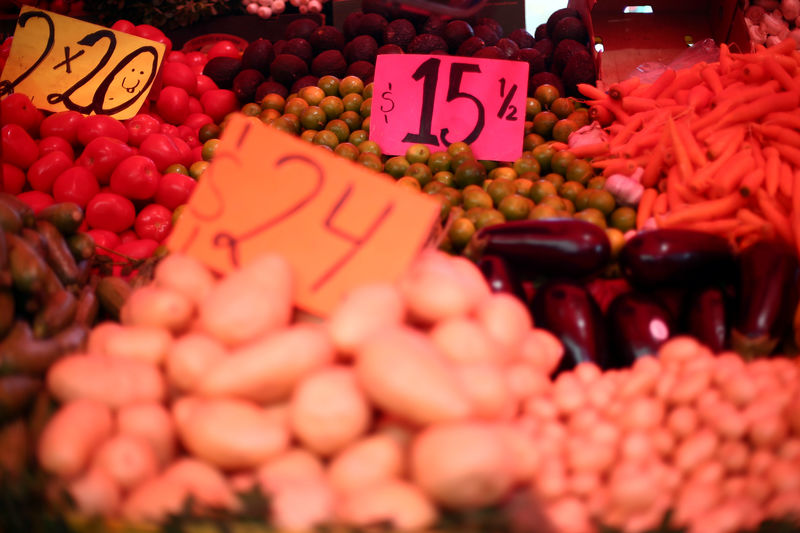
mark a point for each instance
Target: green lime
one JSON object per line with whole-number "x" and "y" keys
{"x": 544, "y": 122}
{"x": 563, "y": 128}
{"x": 347, "y": 150}
{"x": 439, "y": 161}
{"x": 177, "y": 168}
{"x": 532, "y": 108}
{"x": 556, "y": 202}
{"x": 596, "y": 182}
{"x": 515, "y": 207}
{"x": 268, "y": 116}
{"x": 546, "y": 94}
{"x": 411, "y": 183}
{"x": 365, "y": 124}
{"x": 562, "y": 107}
{"x": 197, "y": 168}
{"x": 313, "y": 118}
{"x": 370, "y": 160}
{"x": 489, "y": 217}
{"x": 446, "y": 177}
{"x": 527, "y": 164}
{"x": 503, "y": 173}
{"x": 459, "y": 148}
{"x": 531, "y": 141}
{"x": 418, "y": 153}
{"x": 368, "y": 88}
{"x": 333, "y": 106}
{"x": 454, "y": 195}
{"x": 617, "y": 239}
{"x": 365, "y": 109}
{"x": 433, "y": 187}
{"x": 311, "y": 94}
{"x": 579, "y": 170}
{"x": 474, "y": 196}
{"x": 470, "y": 172}
{"x": 295, "y": 106}
{"x": 339, "y": 128}
{"x": 209, "y": 148}
{"x": 352, "y": 102}
{"x": 370, "y": 146}
{"x": 358, "y": 136}
{"x": 421, "y": 172}
{"x": 555, "y": 179}
{"x": 590, "y": 214}
{"x": 308, "y": 135}
{"x": 560, "y": 160}
{"x": 523, "y": 186}
{"x": 329, "y": 84}
{"x": 543, "y": 154}
{"x": 208, "y": 131}
{"x": 350, "y": 84}
{"x": 461, "y": 231}
{"x": 326, "y": 137}
{"x": 570, "y": 190}
{"x": 623, "y": 218}
{"x": 499, "y": 189}
{"x": 273, "y": 101}
{"x": 396, "y": 166}
{"x": 542, "y": 211}
{"x": 251, "y": 109}
{"x": 542, "y": 188}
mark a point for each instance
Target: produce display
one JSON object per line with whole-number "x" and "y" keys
{"x": 604, "y": 336}
{"x": 771, "y": 21}
{"x": 209, "y": 387}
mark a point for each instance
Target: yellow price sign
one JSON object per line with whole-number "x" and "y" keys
{"x": 62, "y": 63}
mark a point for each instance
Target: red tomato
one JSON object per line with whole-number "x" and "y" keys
{"x": 168, "y": 129}
{"x": 175, "y": 56}
{"x": 127, "y": 236}
{"x": 204, "y": 83}
{"x": 219, "y": 102}
{"x": 63, "y": 124}
{"x": 43, "y": 172}
{"x": 165, "y": 150}
{"x": 188, "y": 135}
{"x": 197, "y": 154}
{"x": 123, "y": 25}
{"x": 180, "y": 75}
{"x": 18, "y": 147}
{"x": 194, "y": 105}
{"x": 104, "y": 238}
{"x": 195, "y": 58}
{"x": 76, "y": 184}
{"x": 55, "y": 144}
{"x": 36, "y": 199}
{"x": 197, "y": 120}
{"x": 136, "y": 178}
{"x": 16, "y": 108}
{"x": 102, "y": 155}
{"x": 223, "y": 49}
{"x": 153, "y": 222}
{"x": 111, "y": 212}
{"x": 174, "y": 189}
{"x": 101, "y": 126}
{"x": 154, "y": 34}
{"x": 135, "y": 249}
{"x": 198, "y": 69}
{"x": 140, "y": 127}
{"x": 59, "y": 6}
{"x": 173, "y": 104}
{"x": 13, "y": 179}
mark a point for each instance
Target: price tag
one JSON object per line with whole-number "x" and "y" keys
{"x": 438, "y": 100}
{"x": 63, "y": 63}
{"x": 339, "y": 223}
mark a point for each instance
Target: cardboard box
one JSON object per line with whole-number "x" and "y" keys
{"x": 631, "y": 39}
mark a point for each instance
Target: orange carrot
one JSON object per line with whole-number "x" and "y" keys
{"x": 636, "y": 104}
{"x": 627, "y": 131}
{"x": 779, "y": 133}
{"x": 772, "y": 169}
{"x": 592, "y": 92}
{"x": 717, "y": 208}
{"x": 674, "y": 199}
{"x": 796, "y": 208}
{"x": 790, "y": 153}
{"x": 753, "y": 73}
{"x": 620, "y": 166}
{"x": 784, "y": 101}
{"x": 729, "y": 177}
{"x": 653, "y": 166}
{"x": 786, "y": 46}
{"x": 686, "y": 79}
{"x": 712, "y": 117}
{"x": 773, "y": 212}
{"x": 777, "y": 72}
{"x": 696, "y": 155}
{"x": 623, "y": 88}
{"x": 740, "y": 94}
{"x": 645, "y": 208}
{"x": 789, "y": 119}
{"x": 590, "y": 150}
{"x": 684, "y": 165}
{"x": 662, "y": 82}
{"x": 722, "y": 226}
{"x": 700, "y": 97}
{"x": 725, "y": 60}
{"x": 749, "y": 217}
{"x": 661, "y": 205}
{"x": 711, "y": 77}
{"x": 722, "y": 139}
{"x": 786, "y": 184}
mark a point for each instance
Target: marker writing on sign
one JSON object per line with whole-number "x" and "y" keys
{"x": 224, "y": 239}
{"x": 135, "y": 65}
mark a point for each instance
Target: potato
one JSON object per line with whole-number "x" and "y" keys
{"x": 293, "y": 466}
{"x": 367, "y": 461}
{"x": 72, "y": 435}
{"x": 147, "y": 343}
{"x": 152, "y": 422}
{"x": 99, "y": 335}
{"x": 541, "y": 349}
{"x": 190, "y": 357}
{"x": 154, "y": 500}
{"x": 229, "y": 433}
{"x": 486, "y": 387}
{"x": 506, "y": 320}
{"x": 158, "y": 307}
{"x": 267, "y": 370}
{"x": 249, "y": 302}
{"x": 402, "y": 372}
{"x": 463, "y": 465}
{"x": 207, "y": 485}
{"x": 303, "y": 505}
{"x": 114, "y": 381}
{"x": 437, "y": 286}
{"x": 464, "y": 339}
{"x": 403, "y": 505}
{"x": 127, "y": 459}
{"x": 185, "y": 274}
{"x": 328, "y": 410}
{"x": 362, "y": 311}
{"x": 95, "y": 493}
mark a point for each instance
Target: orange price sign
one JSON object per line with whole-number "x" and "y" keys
{"x": 339, "y": 223}
{"x": 63, "y": 63}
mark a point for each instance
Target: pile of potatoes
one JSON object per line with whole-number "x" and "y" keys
{"x": 402, "y": 402}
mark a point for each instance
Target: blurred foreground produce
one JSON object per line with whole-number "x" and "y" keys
{"x": 412, "y": 403}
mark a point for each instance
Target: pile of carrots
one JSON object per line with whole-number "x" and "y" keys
{"x": 719, "y": 144}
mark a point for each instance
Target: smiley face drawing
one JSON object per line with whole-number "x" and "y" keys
{"x": 129, "y": 80}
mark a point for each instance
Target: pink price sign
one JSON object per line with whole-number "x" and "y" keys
{"x": 437, "y": 100}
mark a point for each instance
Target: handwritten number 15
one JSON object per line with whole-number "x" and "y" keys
{"x": 428, "y": 71}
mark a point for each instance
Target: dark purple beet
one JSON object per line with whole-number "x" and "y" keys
{"x": 300, "y": 28}
{"x": 522, "y": 38}
{"x": 223, "y": 70}
{"x": 326, "y": 38}
{"x": 399, "y": 32}
{"x": 306, "y": 81}
{"x": 545, "y": 47}
{"x": 288, "y": 68}
{"x": 361, "y": 48}
{"x": 559, "y": 14}
{"x": 246, "y": 83}
{"x": 363, "y": 70}
{"x": 434, "y": 25}
{"x": 509, "y": 47}
{"x": 487, "y": 33}
{"x": 329, "y": 62}
{"x": 542, "y": 78}
{"x": 540, "y": 32}
{"x": 490, "y": 52}
{"x": 533, "y": 58}
{"x": 350, "y": 24}
{"x": 269, "y": 87}
{"x": 372, "y": 24}
{"x": 456, "y": 32}
{"x": 299, "y": 47}
{"x": 426, "y": 43}
{"x": 470, "y": 46}
{"x": 258, "y": 55}
{"x": 390, "y": 49}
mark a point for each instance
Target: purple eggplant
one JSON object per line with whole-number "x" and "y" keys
{"x": 676, "y": 257}
{"x": 638, "y": 325}
{"x": 567, "y": 309}
{"x": 557, "y": 247}
{"x": 708, "y": 317}
{"x": 499, "y": 277}
{"x": 767, "y": 297}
